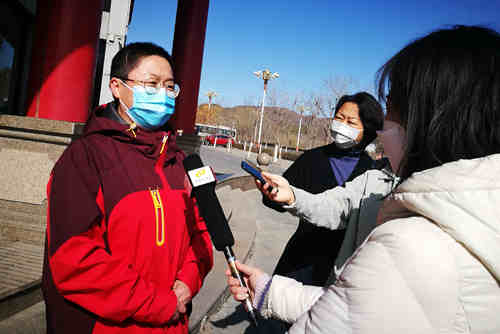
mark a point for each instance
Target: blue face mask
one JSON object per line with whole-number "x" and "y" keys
{"x": 150, "y": 111}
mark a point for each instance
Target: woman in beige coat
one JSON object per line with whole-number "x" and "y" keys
{"x": 432, "y": 265}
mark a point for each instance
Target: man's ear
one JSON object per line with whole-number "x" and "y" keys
{"x": 114, "y": 86}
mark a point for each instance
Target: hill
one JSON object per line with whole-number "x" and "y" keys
{"x": 280, "y": 125}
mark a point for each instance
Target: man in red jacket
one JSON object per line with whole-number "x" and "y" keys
{"x": 126, "y": 249}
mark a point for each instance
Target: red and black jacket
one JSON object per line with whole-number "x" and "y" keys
{"x": 121, "y": 228}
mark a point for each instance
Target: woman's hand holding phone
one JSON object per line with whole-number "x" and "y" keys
{"x": 281, "y": 192}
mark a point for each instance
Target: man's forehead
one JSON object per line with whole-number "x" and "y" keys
{"x": 153, "y": 67}
{"x": 156, "y": 75}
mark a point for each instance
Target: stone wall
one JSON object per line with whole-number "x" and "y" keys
{"x": 29, "y": 147}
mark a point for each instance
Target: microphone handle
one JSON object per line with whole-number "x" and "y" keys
{"x": 228, "y": 253}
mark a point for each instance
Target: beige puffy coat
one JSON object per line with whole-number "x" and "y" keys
{"x": 432, "y": 266}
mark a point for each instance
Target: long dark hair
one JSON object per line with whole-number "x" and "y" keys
{"x": 445, "y": 87}
{"x": 370, "y": 113}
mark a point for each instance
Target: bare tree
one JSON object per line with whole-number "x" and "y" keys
{"x": 246, "y": 119}
{"x": 313, "y": 123}
{"x": 277, "y": 119}
{"x": 336, "y": 86}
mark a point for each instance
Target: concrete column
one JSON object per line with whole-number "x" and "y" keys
{"x": 63, "y": 59}
{"x": 187, "y": 52}
{"x": 113, "y": 31}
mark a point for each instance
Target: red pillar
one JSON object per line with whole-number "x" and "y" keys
{"x": 63, "y": 59}
{"x": 189, "y": 39}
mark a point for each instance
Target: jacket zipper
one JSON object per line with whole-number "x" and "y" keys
{"x": 159, "y": 212}
{"x": 157, "y": 202}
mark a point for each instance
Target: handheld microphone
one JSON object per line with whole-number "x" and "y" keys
{"x": 203, "y": 182}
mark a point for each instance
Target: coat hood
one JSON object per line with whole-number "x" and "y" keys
{"x": 462, "y": 198}
{"x": 104, "y": 120}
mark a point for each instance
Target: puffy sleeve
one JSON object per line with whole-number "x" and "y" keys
{"x": 331, "y": 208}
{"x": 401, "y": 280}
{"x": 287, "y": 299}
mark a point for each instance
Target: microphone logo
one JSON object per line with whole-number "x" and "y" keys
{"x": 201, "y": 176}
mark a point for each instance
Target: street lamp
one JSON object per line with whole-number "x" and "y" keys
{"x": 265, "y": 75}
{"x": 210, "y": 94}
{"x": 302, "y": 109}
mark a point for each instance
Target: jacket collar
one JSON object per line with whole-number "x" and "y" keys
{"x": 106, "y": 121}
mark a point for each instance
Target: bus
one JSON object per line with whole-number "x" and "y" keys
{"x": 204, "y": 130}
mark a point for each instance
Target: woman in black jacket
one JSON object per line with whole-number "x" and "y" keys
{"x": 311, "y": 251}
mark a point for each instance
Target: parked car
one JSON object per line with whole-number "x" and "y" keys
{"x": 221, "y": 139}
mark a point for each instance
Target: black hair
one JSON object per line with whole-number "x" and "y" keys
{"x": 127, "y": 58}
{"x": 445, "y": 87}
{"x": 370, "y": 113}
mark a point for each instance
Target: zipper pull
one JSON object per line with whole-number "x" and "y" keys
{"x": 132, "y": 127}
{"x": 156, "y": 200}
{"x": 163, "y": 142}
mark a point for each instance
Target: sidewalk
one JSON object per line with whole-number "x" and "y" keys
{"x": 272, "y": 231}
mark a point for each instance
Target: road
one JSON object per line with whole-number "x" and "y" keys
{"x": 228, "y": 163}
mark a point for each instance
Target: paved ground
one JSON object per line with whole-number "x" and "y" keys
{"x": 273, "y": 230}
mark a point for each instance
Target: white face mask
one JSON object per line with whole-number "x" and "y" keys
{"x": 393, "y": 138}
{"x": 343, "y": 135}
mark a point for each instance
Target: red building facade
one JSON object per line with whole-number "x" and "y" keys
{"x": 52, "y": 57}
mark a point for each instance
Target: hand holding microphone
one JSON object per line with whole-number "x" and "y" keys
{"x": 252, "y": 274}
{"x": 203, "y": 183}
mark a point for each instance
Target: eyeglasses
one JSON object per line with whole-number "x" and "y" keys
{"x": 153, "y": 87}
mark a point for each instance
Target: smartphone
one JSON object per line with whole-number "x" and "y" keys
{"x": 254, "y": 172}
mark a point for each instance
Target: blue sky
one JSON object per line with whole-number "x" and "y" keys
{"x": 306, "y": 42}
